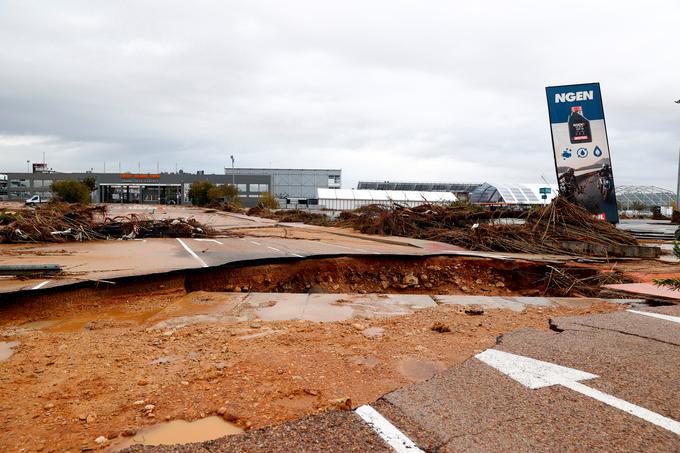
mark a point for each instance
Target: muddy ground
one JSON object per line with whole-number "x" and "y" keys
{"x": 95, "y": 373}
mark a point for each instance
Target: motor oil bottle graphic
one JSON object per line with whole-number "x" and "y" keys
{"x": 579, "y": 126}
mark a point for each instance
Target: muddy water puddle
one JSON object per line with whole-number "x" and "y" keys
{"x": 181, "y": 432}
{"x": 419, "y": 370}
{"x": 6, "y": 349}
{"x": 229, "y": 308}
{"x": 89, "y": 321}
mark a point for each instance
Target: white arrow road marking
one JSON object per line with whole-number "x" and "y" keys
{"x": 386, "y": 430}
{"x": 192, "y": 253}
{"x": 656, "y": 315}
{"x": 210, "y": 240}
{"x": 40, "y": 285}
{"x": 536, "y": 374}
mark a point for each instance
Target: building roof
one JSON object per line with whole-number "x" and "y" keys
{"x": 418, "y": 186}
{"x": 648, "y": 195}
{"x": 521, "y": 194}
{"x": 384, "y": 195}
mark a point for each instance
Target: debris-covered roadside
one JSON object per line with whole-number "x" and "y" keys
{"x": 555, "y": 228}
{"x": 61, "y": 222}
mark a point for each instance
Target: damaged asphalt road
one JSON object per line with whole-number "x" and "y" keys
{"x": 605, "y": 382}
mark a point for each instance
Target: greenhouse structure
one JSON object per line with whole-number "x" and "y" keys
{"x": 643, "y": 197}
{"x": 513, "y": 194}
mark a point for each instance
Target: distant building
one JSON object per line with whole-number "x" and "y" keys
{"x": 629, "y": 196}
{"x": 144, "y": 188}
{"x": 291, "y": 186}
{"x": 347, "y": 199}
{"x": 461, "y": 190}
{"x": 513, "y": 194}
{"x": 294, "y": 183}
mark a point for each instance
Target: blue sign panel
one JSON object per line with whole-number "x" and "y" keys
{"x": 581, "y": 148}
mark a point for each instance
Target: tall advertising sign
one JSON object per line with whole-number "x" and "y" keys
{"x": 581, "y": 148}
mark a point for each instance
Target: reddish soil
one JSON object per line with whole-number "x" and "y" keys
{"x": 65, "y": 387}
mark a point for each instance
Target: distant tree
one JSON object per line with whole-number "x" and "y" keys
{"x": 638, "y": 206}
{"x": 231, "y": 192}
{"x": 268, "y": 200}
{"x": 90, "y": 182}
{"x": 71, "y": 191}
{"x": 203, "y": 193}
{"x": 198, "y": 192}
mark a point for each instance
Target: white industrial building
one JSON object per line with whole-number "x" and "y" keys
{"x": 346, "y": 199}
{"x": 513, "y": 194}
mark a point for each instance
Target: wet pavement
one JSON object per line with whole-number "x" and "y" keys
{"x": 604, "y": 382}
{"x": 646, "y": 290}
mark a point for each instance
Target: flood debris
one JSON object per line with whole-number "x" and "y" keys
{"x": 440, "y": 327}
{"x": 547, "y": 230}
{"x": 61, "y": 222}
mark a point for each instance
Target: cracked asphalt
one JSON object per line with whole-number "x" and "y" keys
{"x": 475, "y": 407}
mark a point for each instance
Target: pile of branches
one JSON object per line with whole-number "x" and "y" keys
{"x": 131, "y": 227}
{"x": 290, "y": 215}
{"x": 61, "y": 222}
{"x": 543, "y": 230}
{"x": 53, "y": 222}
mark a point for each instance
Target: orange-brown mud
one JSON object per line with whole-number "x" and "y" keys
{"x": 101, "y": 366}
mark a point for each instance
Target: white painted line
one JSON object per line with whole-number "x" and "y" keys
{"x": 210, "y": 240}
{"x": 640, "y": 412}
{"x": 273, "y": 248}
{"x": 256, "y": 243}
{"x": 360, "y": 250}
{"x": 40, "y": 285}
{"x": 386, "y": 430}
{"x": 295, "y": 254}
{"x": 536, "y": 374}
{"x": 336, "y": 245}
{"x": 192, "y": 253}
{"x": 656, "y": 315}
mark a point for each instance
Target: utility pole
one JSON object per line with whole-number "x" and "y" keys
{"x": 677, "y": 193}
{"x": 232, "y": 170}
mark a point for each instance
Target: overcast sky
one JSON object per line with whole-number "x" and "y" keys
{"x": 385, "y": 90}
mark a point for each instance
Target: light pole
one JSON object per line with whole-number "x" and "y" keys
{"x": 28, "y": 166}
{"x": 232, "y": 170}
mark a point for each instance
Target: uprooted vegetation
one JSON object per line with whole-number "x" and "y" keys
{"x": 550, "y": 229}
{"x": 62, "y": 222}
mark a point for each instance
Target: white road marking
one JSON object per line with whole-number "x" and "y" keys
{"x": 359, "y": 250}
{"x": 656, "y": 315}
{"x": 273, "y": 248}
{"x": 192, "y": 253}
{"x": 210, "y": 240}
{"x": 386, "y": 430}
{"x": 256, "y": 243}
{"x": 336, "y": 245}
{"x": 536, "y": 374}
{"x": 40, "y": 285}
{"x": 295, "y": 254}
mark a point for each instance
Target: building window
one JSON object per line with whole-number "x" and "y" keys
{"x": 333, "y": 181}
{"x": 19, "y": 183}
{"x": 242, "y": 188}
{"x": 259, "y": 188}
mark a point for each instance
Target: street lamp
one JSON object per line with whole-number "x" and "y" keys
{"x": 28, "y": 166}
{"x": 232, "y": 169}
